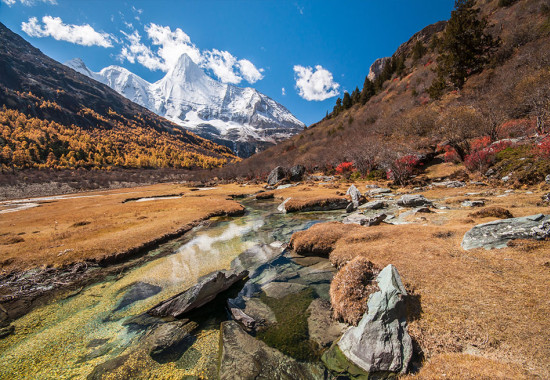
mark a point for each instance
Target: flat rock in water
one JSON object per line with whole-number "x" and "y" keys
{"x": 322, "y": 328}
{"x": 380, "y": 190}
{"x": 206, "y": 289}
{"x": 281, "y": 289}
{"x": 281, "y": 207}
{"x": 244, "y": 357}
{"x": 413, "y": 200}
{"x": 380, "y": 343}
{"x": 374, "y": 205}
{"x": 498, "y": 233}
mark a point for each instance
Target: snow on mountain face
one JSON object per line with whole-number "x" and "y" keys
{"x": 241, "y": 118}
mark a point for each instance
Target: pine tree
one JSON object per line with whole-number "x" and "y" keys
{"x": 418, "y": 50}
{"x": 338, "y": 107}
{"x": 465, "y": 47}
{"x": 355, "y": 95}
{"x": 368, "y": 90}
{"x": 347, "y": 101}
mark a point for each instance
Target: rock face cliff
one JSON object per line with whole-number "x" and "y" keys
{"x": 242, "y": 119}
{"x": 377, "y": 67}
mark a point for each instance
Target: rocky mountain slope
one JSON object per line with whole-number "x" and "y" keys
{"x": 398, "y": 126}
{"x": 55, "y": 117}
{"x": 242, "y": 119}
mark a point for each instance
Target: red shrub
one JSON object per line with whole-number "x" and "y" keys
{"x": 403, "y": 168}
{"x": 480, "y": 143}
{"x": 345, "y": 167}
{"x": 544, "y": 148}
{"x": 481, "y": 160}
{"x": 450, "y": 154}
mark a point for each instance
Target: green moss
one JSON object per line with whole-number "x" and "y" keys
{"x": 337, "y": 363}
{"x": 526, "y": 166}
{"x": 290, "y": 334}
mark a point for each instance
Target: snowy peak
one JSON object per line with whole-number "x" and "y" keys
{"x": 187, "y": 71}
{"x": 243, "y": 119}
{"x": 78, "y": 65}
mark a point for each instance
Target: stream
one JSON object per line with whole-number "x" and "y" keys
{"x": 93, "y": 332}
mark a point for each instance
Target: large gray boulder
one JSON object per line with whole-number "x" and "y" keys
{"x": 498, "y": 233}
{"x": 355, "y": 195}
{"x": 413, "y": 200}
{"x": 296, "y": 173}
{"x": 244, "y": 357}
{"x": 206, "y": 289}
{"x": 380, "y": 344}
{"x": 276, "y": 175}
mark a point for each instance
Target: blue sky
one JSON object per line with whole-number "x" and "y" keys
{"x": 265, "y": 44}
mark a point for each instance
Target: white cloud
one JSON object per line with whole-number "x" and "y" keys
{"x": 137, "y": 51}
{"x": 221, "y": 63}
{"x": 28, "y": 3}
{"x": 283, "y": 91}
{"x": 249, "y": 72}
{"x": 77, "y": 34}
{"x": 315, "y": 84}
{"x": 171, "y": 44}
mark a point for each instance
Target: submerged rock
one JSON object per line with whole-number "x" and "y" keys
{"x": 322, "y": 328}
{"x": 380, "y": 344}
{"x": 498, "y": 233}
{"x": 171, "y": 336}
{"x": 244, "y": 357}
{"x": 206, "y": 289}
{"x": 413, "y": 200}
{"x": 138, "y": 291}
{"x": 276, "y": 175}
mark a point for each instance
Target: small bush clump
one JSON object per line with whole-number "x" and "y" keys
{"x": 351, "y": 288}
{"x": 492, "y": 212}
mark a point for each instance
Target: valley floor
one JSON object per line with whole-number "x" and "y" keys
{"x": 486, "y": 312}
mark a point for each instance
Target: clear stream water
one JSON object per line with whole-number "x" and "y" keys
{"x": 70, "y": 337}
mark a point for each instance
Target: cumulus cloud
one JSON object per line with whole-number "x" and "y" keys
{"x": 315, "y": 83}
{"x": 76, "y": 34}
{"x": 28, "y": 3}
{"x": 171, "y": 44}
{"x": 283, "y": 91}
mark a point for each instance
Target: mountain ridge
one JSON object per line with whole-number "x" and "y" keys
{"x": 53, "y": 116}
{"x": 243, "y": 119}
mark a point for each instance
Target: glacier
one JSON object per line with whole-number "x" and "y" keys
{"x": 242, "y": 119}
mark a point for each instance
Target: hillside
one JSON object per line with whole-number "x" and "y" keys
{"x": 54, "y": 117}
{"x": 393, "y": 126}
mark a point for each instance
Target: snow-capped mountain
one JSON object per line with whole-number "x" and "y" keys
{"x": 241, "y": 118}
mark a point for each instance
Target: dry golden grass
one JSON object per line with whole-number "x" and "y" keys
{"x": 493, "y": 302}
{"x": 99, "y": 225}
{"x": 350, "y": 289}
{"x": 65, "y": 231}
{"x": 443, "y": 170}
{"x": 319, "y": 239}
{"x": 456, "y": 366}
{"x": 314, "y": 203}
